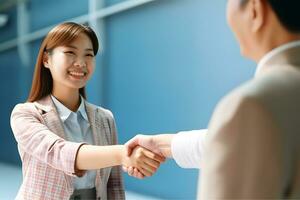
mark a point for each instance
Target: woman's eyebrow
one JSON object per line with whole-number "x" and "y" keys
{"x": 71, "y": 46}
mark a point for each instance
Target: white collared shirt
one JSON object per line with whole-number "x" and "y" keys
{"x": 77, "y": 129}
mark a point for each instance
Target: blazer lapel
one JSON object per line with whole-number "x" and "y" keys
{"x": 50, "y": 115}
{"x": 94, "y": 123}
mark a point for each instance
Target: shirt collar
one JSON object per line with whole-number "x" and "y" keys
{"x": 263, "y": 63}
{"x": 65, "y": 112}
{"x": 82, "y": 110}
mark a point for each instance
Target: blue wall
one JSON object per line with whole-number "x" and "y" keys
{"x": 166, "y": 65}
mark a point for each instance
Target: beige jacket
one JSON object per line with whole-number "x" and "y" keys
{"x": 252, "y": 149}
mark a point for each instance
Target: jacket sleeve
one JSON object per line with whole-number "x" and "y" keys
{"x": 242, "y": 158}
{"x": 115, "y": 186}
{"x": 35, "y": 138}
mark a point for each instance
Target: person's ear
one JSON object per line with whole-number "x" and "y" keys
{"x": 46, "y": 59}
{"x": 258, "y": 14}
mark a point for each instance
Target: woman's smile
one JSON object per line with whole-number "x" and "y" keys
{"x": 77, "y": 74}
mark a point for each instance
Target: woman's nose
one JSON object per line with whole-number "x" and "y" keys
{"x": 80, "y": 62}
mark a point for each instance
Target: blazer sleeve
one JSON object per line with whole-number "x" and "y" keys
{"x": 242, "y": 157}
{"x": 115, "y": 185}
{"x": 34, "y": 138}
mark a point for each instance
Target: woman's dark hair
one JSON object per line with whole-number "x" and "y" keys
{"x": 60, "y": 35}
{"x": 287, "y": 12}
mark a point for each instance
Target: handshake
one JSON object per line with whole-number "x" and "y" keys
{"x": 145, "y": 153}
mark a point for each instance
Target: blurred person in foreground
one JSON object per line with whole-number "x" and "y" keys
{"x": 251, "y": 149}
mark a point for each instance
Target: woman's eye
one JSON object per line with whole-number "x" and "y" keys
{"x": 90, "y": 55}
{"x": 69, "y": 52}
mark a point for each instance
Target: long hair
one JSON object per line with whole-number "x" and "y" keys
{"x": 62, "y": 34}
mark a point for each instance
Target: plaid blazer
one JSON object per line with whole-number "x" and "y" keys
{"x": 48, "y": 160}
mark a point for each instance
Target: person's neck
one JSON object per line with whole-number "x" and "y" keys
{"x": 69, "y": 98}
{"x": 271, "y": 41}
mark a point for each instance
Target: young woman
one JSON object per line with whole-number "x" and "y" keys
{"x": 67, "y": 145}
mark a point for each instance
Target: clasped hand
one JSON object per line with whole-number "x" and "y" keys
{"x": 143, "y": 161}
{"x": 150, "y": 155}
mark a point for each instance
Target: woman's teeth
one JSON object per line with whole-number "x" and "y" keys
{"x": 77, "y": 73}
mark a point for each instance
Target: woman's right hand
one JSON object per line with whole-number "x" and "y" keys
{"x": 145, "y": 161}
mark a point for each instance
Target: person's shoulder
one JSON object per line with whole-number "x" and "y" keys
{"x": 237, "y": 109}
{"x": 40, "y": 106}
{"x": 264, "y": 86}
{"x": 247, "y": 97}
{"x": 265, "y": 93}
{"x": 283, "y": 79}
{"x": 26, "y": 106}
{"x": 280, "y": 84}
{"x": 27, "y": 109}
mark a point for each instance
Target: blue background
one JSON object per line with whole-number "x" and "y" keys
{"x": 165, "y": 66}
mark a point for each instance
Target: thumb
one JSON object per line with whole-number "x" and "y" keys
{"x": 131, "y": 144}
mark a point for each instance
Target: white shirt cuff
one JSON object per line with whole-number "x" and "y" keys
{"x": 187, "y": 148}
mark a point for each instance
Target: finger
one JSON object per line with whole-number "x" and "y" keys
{"x": 138, "y": 174}
{"x": 153, "y": 163}
{"x": 130, "y": 171}
{"x": 147, "y": 167}
{"x": 145, "y": 172}
{"x": 154, "y": 156}
{"x": 131, "y": 144}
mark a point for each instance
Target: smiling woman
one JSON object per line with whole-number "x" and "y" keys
{"x": 68, "y": 146}
{"x": 71, "y": 66}
{"x": 61, "y": 36}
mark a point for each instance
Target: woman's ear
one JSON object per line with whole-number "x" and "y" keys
{"x": 46, "y": 59}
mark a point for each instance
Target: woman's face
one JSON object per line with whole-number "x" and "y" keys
{"x": 71, "y": 66}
